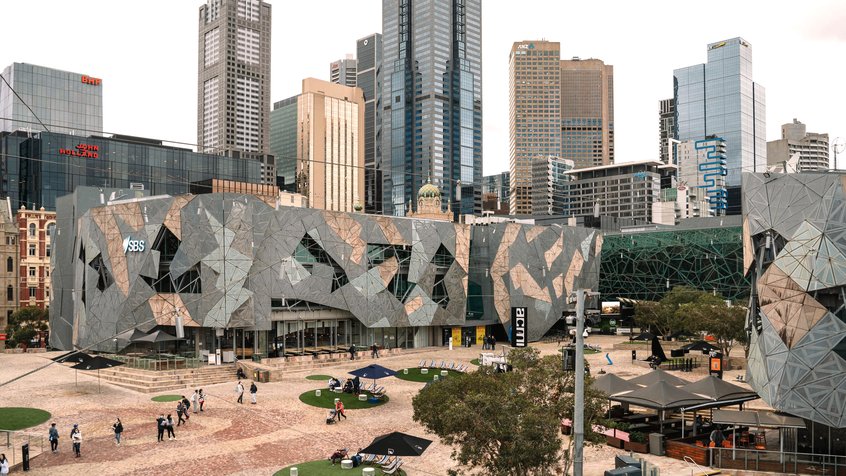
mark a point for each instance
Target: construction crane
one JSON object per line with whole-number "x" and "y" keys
{"x": 839, "y": 145}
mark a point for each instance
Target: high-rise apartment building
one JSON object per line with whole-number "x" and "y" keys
{"x": 283, "y": 141}
{"x": 9, "y": 259}
{"x": 720, "y": 99}
{"x": 50, "y": 100}
{"x": 233, "y": 87}
{"x": 344, "y": 71}
{"x": 330, "y": 145}
{"x": 587, "y": 112}
{"x": 795, "y": 139}
{"x": 36, "y": 229}
{"x": 666, "y": 129}
{"x": 432, "y": 102}
{"x": 495, "y": 192}
{"x": 369, "y": 54}
{"x": 550, "y": 193}
{"x": 534, "y": 114}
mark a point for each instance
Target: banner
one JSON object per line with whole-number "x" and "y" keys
{"x": 518, "y": 326}
{"x": 480, "y": 335}
{"x": 456, "y": 336}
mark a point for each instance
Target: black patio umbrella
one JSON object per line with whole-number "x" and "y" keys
{"x": 132, "y": 335}
{"x": 658, "y": 375}
{"x": 75, "y": 356}
{"x": 701, "y": 345}
{"x": 397, "y": 444}
{"x": 611, "y": 384}
{"x": 156, "y": 336}
{"x": 644, "y": 336}
{"x": 97, "y": 363}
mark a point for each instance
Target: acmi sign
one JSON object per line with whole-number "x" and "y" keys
{"x": 518, "y": 326}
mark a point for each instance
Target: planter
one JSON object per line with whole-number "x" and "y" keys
{"x": 636, "y": 447}
{"x": 614, "y": 442}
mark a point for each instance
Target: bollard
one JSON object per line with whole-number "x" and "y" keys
{"x": 294, "y": 471}
{"x": 316, "y": 394}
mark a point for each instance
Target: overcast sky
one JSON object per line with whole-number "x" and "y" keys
{"x": 146, "y": 53}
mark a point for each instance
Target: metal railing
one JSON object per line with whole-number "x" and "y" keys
{"x": 778, "y": 461}
{"x": 12, "y": 441}
{"x": 160, "y": 361}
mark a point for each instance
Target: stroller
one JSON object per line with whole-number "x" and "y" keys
{"x": 330, "y": 418}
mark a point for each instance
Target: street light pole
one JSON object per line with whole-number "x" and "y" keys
{"x": 579, "y": 407}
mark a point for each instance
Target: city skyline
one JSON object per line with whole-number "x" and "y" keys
{"x": 644, "y": 71}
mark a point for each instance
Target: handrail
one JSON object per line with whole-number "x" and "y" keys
{"x": 690, "y": 461}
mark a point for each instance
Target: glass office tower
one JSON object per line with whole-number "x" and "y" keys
{"x": 369, "y": 79}
{"x": 432, "y": 101}
{"x": 720, "y": 99}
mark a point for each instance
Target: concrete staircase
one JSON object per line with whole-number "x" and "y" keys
{"x": 308, "y": 362}
{"x": 151, "y": 381}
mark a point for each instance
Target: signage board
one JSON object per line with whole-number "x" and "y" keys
{"x": 130, "y": 245}
{"x": 89, "y": 151}
{"x": 518, "y": 326}
{"x": 92, "y": 81}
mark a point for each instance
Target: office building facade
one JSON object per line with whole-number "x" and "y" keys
{"x": 9, "y": 259}
{"x": 283, "y": 141}
{"x": 36, "y": 231}
{"x": 496, "y": 190}
{"x": 330, "y": 145}
{"x": 44, "y": 166}
{"x": 666, "y": 130}
{"x": 587, "y": 112}
{"x": 233, "y": 86}
{"x": 720, "y": 99}
{"x": 369, "y": 54}
{"x": 50, "y": 100}
{"x": 534, "y": 115}
{"x": 432, "y": 101}
{"x": 344, "y": 71}
{"x": 309, "y": 278}
{"x": 550, "y": 192}
{"x": 795, "y": 139}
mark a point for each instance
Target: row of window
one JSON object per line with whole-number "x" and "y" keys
{"x": 10, "y": 293}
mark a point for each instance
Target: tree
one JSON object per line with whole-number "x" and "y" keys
{"x": 669, "y": 315}
{"x": 508, "y": 423}
{"x": 25, "y": 323}
{"x": 726, "y": 323}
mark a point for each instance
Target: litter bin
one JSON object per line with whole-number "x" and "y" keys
{"x": 257, "y": 357}
{"x": 656, "y": 444}
{"x": 265, "y": 376}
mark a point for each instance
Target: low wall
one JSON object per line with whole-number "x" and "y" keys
{"x": 678, "y": 449}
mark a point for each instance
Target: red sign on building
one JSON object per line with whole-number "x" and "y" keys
{"x": 89, "y": 151}
{"x": 91, "y": 81}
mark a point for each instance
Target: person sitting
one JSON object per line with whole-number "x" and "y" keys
{"x": 356, "y": 385}
{"x": 334, "y": 383}
{"x": 717, "y": 437}
{"x": 348, "y": 386}
{"x": 240, "y": 374}
{"x": 338, "y": 455}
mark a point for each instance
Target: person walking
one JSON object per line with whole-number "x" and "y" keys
{"x": 202, "y": 399}
{"x": 53, "y": 436}
{"x": 352, "y": 352}
{"x": 76, "y": 440}
{"x": 253, "y": 390}
{"x": 195, "y": 402}
{"x": 239, "y": 389}
{"x": 4, "y": 464}
{"x": 374, "y": 351}
{"x": 170, "y": 434}
{"x": 161, "y": 424}
{"x": 118, "y": 427}
{"x": 493, "y": 343}
{"x": 180, "y": 409}
{"x": 339, "y": 409}
{"x": 186, "y": 405}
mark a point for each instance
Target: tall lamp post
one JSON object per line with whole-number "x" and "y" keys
{"x": 579, "y": 297}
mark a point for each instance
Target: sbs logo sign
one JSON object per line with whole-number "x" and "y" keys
{"x": 130, "y": 245}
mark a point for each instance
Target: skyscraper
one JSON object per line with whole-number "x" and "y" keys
{"x": 344, "y": 71}
{"x": 283, "y": 141}
{"x": 534, "y": 114}
{"x": 587, "y": 112}
{"x": 233, "y": 86}
{"x": 666, "y": 129}
{"x": 550, "y": 193}
{"x": 432, "y": 101}
{"x": 812, "y": 148}
{"x": 369, "y": 54}
{"x": 720, "y": 99}
{"x": 50, "y": 99}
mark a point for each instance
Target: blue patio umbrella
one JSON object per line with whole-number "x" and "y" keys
{"x": 374, "y": 371}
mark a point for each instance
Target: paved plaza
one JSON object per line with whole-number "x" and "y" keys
{"x": 248, "y": 439}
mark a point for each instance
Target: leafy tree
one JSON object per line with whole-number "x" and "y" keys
{"x": 25, "y": 323}
{"x": 670, "y": 315}
{"x": 507, "y": 424}
{"x": 726, "y": 323}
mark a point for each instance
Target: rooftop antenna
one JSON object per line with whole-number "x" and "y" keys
{"x": 839, "y": 145}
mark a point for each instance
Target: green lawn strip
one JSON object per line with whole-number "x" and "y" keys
{"x": 327, "y": 400}
{"x": 17, "y": 418}
{"x": 414, "y": 375}
{"x": 319, "y": 377}
{"x": 166, "y": 398}
{"x": 316, "y": 468}
{"x": 475, "y": 362}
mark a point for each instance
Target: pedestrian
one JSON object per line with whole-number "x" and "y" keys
{"x": 356, "y": 385}
{"x": 239, "y": 389}
{"x": 339, "y": 409}
{"x": 161, "y": 424}
{"x": 118, "y": 427}
{"x": 76, "y": 440}
{"x": 180, "y": 409}
{"x": 195, "y": 402}
{"x": 201, "y": 399}
{"x": 374, "y": 351}
{"x": 186, "y": 405}
{"x": 253, "y": 390}
{"x": 352, "y": 352}
{"x": 54, "y": 438}
{"x": 493, "y": 343}
{"x": 170, "y": 434}
{"x": 4, "y": 464}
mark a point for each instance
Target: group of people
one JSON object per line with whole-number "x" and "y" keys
{"x": 239, "y": 390}
{"x": 351, "y": 386}
{"x": 183, "y": 409}
{"x": 489, "y": 343}
{"x": 76, "y": 437}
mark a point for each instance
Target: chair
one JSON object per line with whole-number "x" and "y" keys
{"x": 442, "y": 364}
{"x": 743, "y": 439}
{"x": 421, "y": 364}
{"x": 432, "y": 364}
{"x": 712, "y": 445}
{"x": 368, "y": 458}
{"x": 395, "y": 470}
{"x": 761, "y": 441}
{"x": 726, "y": 444}
{"x": 461, "y": 368}
{"x": 382, "y": 460}
{"x": 392, "y": 465}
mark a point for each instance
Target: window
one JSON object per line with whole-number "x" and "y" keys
{"x": 10, "y": 293}
{"x": 32, "y": 230}
{"x": 47, "y": 250}
{"x": 32, "y": 290}
{"x": 51, "y": 228}
{"x": 10, "y": 265}
{"x": 32, "y": 273}
{"x": 32, "y": 250}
